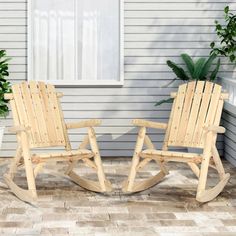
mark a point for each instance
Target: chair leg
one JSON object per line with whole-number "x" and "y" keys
{"x": 218, "y": 162}
{"x": 195, "y": 169}
{"x": 204, "y": 195}
{"x": 14, "y": 163}
{"x": 150, "y": 145}
{"x": 103, "y": 185}
{"x": 128, "y": 185}
{"x": 29, "y": 195}
{"x": 83, "y": 145}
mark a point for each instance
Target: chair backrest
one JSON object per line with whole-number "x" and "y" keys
{"x": 36, "y": 105}
{"x": 196, "y": 105}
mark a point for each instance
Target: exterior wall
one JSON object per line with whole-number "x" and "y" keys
{"x": 155, "y": 30}
{"x": 229, "y": 121}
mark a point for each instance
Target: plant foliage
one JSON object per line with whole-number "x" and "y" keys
{"x": 227, "y": 35}
{"x": 199, "y": 70}
{"x": 5, "y": 86}
{"x": 202, "y": 69}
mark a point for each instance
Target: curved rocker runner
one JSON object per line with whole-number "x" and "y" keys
{"x": 194, "y": 122}
{"x": 39, "y": 123}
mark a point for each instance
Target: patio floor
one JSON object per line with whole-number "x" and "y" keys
{"x": 168, "y": 209}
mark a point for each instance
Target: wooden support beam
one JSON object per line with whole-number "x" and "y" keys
{"x": 195, "y": 159}
{"x": 194, "y": 168}
{"x": 68, "y": 154}
{"x": 83, "y": 124}
{"x": 215, "y": 129}
{"x": 20, "y": 128}
{"x": 224, "y": 96}
{"x": 149, "y": 124}
{"x": 143, "y": 163}
{"x": 36, "y": 159}
{"x": 9, "y": 96}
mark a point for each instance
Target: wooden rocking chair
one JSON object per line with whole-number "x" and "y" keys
{"x": 39, "y": 123}
{"x": 194, "y": 122}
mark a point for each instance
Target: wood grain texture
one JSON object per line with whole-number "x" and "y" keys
{"x": 39, "y": 123}
{"x": 197, "y": 105}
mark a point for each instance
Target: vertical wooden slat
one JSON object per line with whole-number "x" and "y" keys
{"x": 194, "y": 113}
{"x": 23, "y": 118}
{"x": 56, "y": 113}
{"x": 65, "y": 132}
{"x": 15, "y": 116}
{"x": 166, "y": 139}
{"x": 32, "y": 118}
{"x": 219, "y": 112}
{"x": 20, "y": 105}
{"x": 202, "y": 113}
{"x": 48, "y": 114}
{"x": 186, "y": 111}
{"x": 39, "y": 112}
{"x": 213, "y": 106}
{"x": 177, "y": 113}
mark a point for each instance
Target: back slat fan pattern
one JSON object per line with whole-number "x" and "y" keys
{"x": 37, "y": 107}
{"x": 196, "y": 106}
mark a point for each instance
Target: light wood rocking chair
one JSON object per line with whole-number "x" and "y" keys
{"x": 194, "y": 122}
{"x": 39, "y": 123}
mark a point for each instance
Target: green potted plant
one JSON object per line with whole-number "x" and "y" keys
{"x": 5, "y": 87}
{"x": 227, "y": 36}
{"x": 200, "y": 69}
{"x": 226, "y": 47}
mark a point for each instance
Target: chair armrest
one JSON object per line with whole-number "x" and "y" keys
{"x": 149, "y": 124}
{"x": 83, "y": 124}
{"x": 215, "y": 129}
{"x": 17, "y": 129}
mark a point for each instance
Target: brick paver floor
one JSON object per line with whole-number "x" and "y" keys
{"x": 168, "y": 209}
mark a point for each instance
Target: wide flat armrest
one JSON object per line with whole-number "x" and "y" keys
{"x": 215, "y": 129}
{"x": 17, "y": 129}
{"x": 83, "y": 124}
{"x": 149, "y": 124}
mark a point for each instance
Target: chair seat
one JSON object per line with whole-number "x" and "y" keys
{"x": 168, "y": 153}
{"x": 65, "y": 154}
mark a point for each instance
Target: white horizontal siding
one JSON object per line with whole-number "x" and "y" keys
{"x": 155, "y": 30}
{"x": 229, "y": 120}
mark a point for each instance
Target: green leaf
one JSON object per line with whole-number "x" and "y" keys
{"x": 168, "y": 100}
{"x": 198, "y": 68}
{"x": 180, "y": 73}
{"x": 226, "y": 10}
{"x": 5, "y": 87}
{"x": 218, "y": 27}
{"x": 215, "y": 71}
{"x": 4, "y": 61}
{"x": 232, "y": 58}
{"x": 207, "y": 65}
{"x": 212, "y": 45}
{"x": 189, "y": 63}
